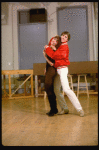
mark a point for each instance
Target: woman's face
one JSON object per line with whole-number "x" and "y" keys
{"x": 54, "y": 42}
{"x": 64, "y": 38}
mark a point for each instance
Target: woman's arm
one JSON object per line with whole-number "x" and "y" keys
{"x": 50, "y": 63}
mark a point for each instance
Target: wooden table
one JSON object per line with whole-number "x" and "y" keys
{"x": 13, "y": 72}
{"x": 74, "y": 68}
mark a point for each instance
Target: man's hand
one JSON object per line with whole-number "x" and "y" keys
{"x": 51, "y": 64}
{"x": 44, "y": 52}
{"x": 53, "y": 47}
{"x": 46, "y": 46}
{"x": 44, "y": 71}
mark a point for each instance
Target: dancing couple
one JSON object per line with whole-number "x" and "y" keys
{"x": 56, "y": 54}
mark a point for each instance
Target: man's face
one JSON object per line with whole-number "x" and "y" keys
{"x": 54, "y": 42}
{"x": 64, "y": 38}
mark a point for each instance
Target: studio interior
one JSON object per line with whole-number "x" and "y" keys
{"x": 26, "y": 27}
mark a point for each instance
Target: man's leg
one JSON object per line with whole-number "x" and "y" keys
{"x": 65, "y": 85}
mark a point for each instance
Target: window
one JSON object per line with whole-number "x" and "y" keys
{"x": 74, "y": 20}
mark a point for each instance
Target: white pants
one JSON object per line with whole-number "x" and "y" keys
{"x": 65, "y": 85}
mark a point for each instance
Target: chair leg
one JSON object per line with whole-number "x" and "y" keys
{"x": 86, "y": 86}
{"x": 78, "y": 86}
{"x": 63, "y": 93}
{"x": 44, "y": 95}
{"x": 71, "y": 83}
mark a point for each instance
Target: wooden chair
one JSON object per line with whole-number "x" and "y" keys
{"x": 79, "y": 87}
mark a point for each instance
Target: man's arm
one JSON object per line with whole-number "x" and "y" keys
{"x": 60, "y": 53}
{"x": 49, "y": 51}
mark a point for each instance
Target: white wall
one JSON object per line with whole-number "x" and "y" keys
{"x": 9, "y": 32}
{"x": 6, "y": 41}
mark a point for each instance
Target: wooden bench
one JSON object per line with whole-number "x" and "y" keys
{"x": 14, "y": 72}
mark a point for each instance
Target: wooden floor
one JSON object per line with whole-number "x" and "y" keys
{"x": 25, "y": 123}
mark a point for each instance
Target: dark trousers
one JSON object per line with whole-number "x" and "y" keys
{"x": 49, "y": 88}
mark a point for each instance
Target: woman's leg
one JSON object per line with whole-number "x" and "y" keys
{"x": 71, "y": 95}
{"x": 49, "y": 79}
{"x": 59, "y": 95}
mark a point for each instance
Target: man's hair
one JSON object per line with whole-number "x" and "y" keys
{"x": 66, "y": 33}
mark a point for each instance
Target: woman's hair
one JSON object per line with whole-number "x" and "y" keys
{"x": 58, "y": 41}
{"x": 66, "y": 33}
